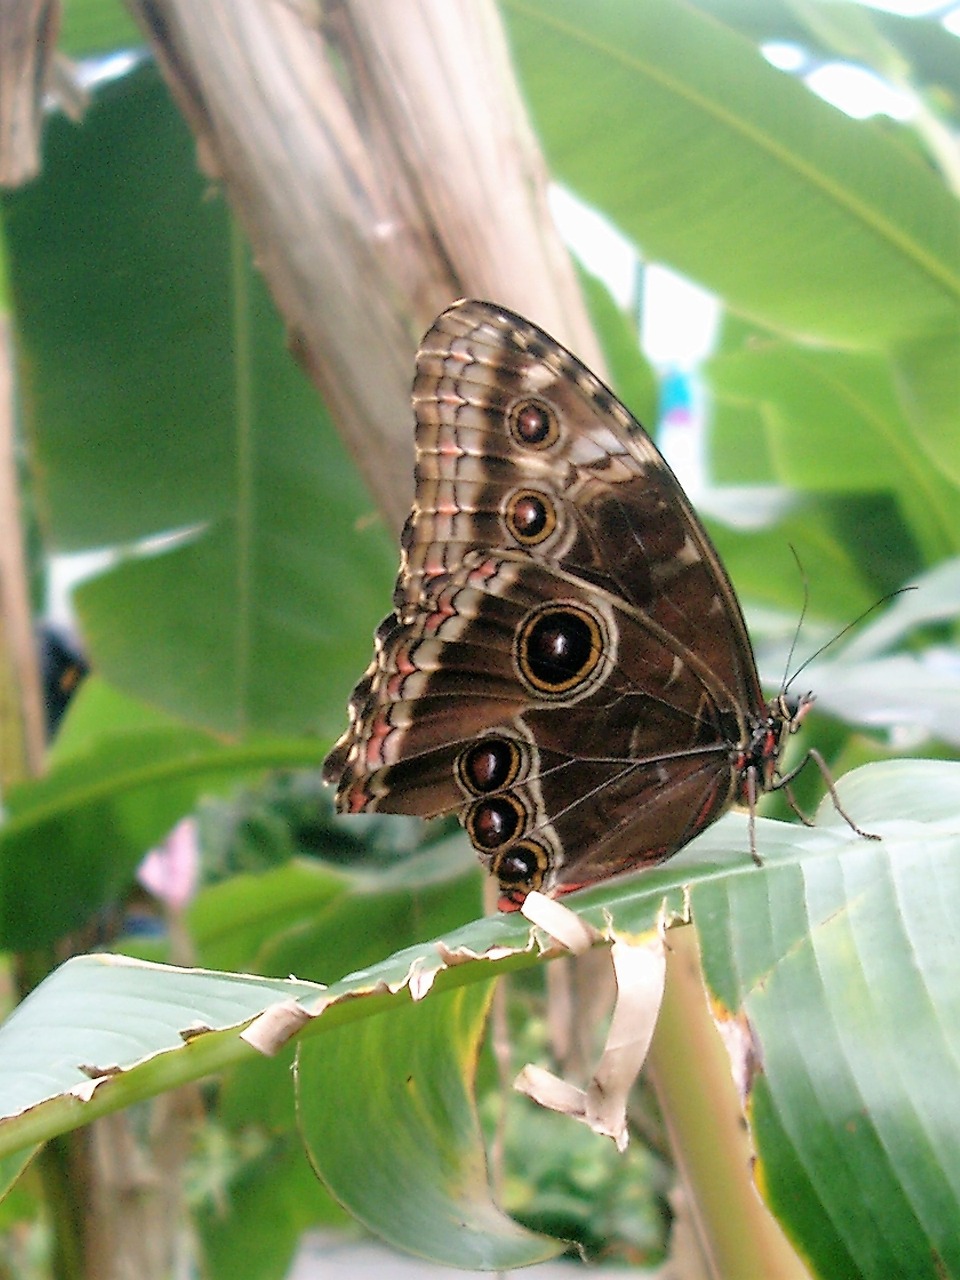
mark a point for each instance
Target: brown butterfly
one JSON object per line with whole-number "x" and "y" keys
{"x": 567, "y": 667}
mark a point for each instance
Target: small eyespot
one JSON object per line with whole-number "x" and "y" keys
{"x": 494, "y": 822}
{"x": 523, "y": 866}
{"x": 488, "y": 765}
{"x": 534, "y": 423}
{"x": 530, "y": 517}
{"x": 558, "y": 648}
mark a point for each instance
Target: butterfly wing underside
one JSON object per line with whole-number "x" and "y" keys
{"x": 566, "y": 667}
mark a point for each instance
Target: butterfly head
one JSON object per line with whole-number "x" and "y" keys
{"x": 758, "y": 763}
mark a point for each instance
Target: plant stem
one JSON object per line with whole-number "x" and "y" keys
{"x": 690, "y": 1071}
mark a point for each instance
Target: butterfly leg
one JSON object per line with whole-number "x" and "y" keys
{"x": 752, "y": 791}
{"x": 792, "y": 801}
{"x": 783, "y": 784}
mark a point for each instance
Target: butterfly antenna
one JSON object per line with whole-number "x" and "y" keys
{"x": 787, "y": 678}
{"x": 891, "y": 595}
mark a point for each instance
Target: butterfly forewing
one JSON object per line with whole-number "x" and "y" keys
{"x": 567, "y": 666}
{"x": 621, "y": 518}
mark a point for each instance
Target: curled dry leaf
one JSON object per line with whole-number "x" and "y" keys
{"x": 420, "y": 981}
{"x": 275, "y": 1026}
{"x": 639, "y": 969}
{"x": 93, "y": 1072}
{"x": 562, "y": 924}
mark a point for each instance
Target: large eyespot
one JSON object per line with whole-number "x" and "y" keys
{"x": 530, "y": 516}
{"x": 488, "y": 765}
{"x": 523, "y": 866}
{"x": 494, "y": 822}
{"x": 534, "y": 423}
{"x": 558, "y": 648}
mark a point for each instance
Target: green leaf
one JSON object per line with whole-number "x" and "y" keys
{"x": 833, "y": 420}
{"x": 74, "y": 837}
{"x": 841, "y": 969}
{"x": 837, "y": 957}
{"x": 92, "y": 27}
{"x": 253, "y": 1226}
{"x": 928, "y": 367}
{"x": 97, "y": 1014}
{"x": 169, "y": 424}
{"x": 841, "y": 542}
{"x": 833, "y": 424}
{"x": 425, "y": 1190}
{"x": 352, "y": 931}
{"x": 231, "y": 922}
{"x": 630, "y": 372}
{"x": 736, "y": 174}
{"x": 311, "y": 918}
{"x": 301, "y": 918}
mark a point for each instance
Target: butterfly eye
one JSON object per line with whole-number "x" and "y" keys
{"x": 533, "y": 423}
{"x": 491, "y": 823}
{"x": 489, "y": 765}
{"x": 558, "y": 648}
{"x": 530, "y": 516}
{"x": 524, "y": 865}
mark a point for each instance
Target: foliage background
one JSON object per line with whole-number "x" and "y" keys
{"x": 164, "y": 420}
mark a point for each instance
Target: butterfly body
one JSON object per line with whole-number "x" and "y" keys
{"x": 567, "y": 667}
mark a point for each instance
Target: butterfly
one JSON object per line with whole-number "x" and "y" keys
{"x": 566, "y": 666}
